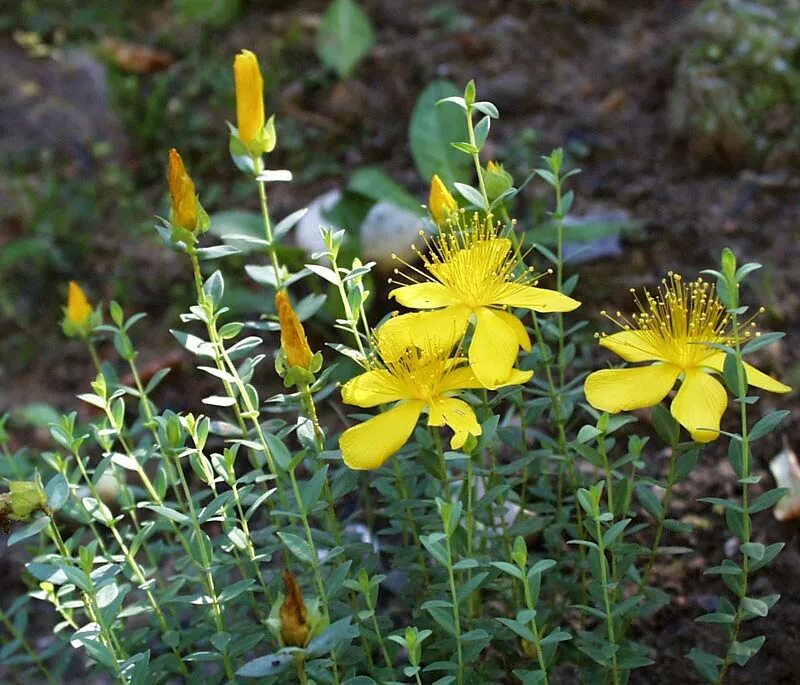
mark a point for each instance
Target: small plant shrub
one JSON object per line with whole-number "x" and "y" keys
{"x": 479, "y": 508}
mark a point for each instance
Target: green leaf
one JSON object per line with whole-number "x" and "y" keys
{"x": 715, "y": 617}
{"x": 171, "y": 514}
{"x": 754, "y": 550}
{"x": 755, "y": 606}
{"x": 433, "y": 127}
{"x": 344, "y": 37}
{"x": 57, "y": 492}
{"x": 741, "y": 652}
{"x": 510, "y": 569}
{"x": 28, "y": 531}
{"x": 667, "y": 428}
{"x": 767, "y": 424}
{"x": 373, "y": 182}
{"x": 730, "y": 373}
{"x": 297, "y": 546}
{"x": 471, "y": 195}
{"x": 522, "y": 630}
{"x": 272, "y": 664}
{"x": 769, "y": 499}
{"x": 760, "y": 341}
{"x": 433, "y": 544}
{"x": 706, "y": 664}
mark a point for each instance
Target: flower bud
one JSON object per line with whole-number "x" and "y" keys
{"x": 78, "y": 317}
{"x": 441, "y": 203}
{"x": 293, "y": 337}
{"x": 182, "y": 194}
{"x": 497, "y": 180}
{"x": 249, "y": 96}
{"x": 293, "y": 614}
{"x": 78, "y": 308}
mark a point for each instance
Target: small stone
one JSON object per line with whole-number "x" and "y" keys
{"x": 307, "y": 232}
{"x": 390, "y": 230}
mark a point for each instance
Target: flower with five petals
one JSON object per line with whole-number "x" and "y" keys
{"x": 416, "y": 377}
{"x": 471, "y": 273}
{"x": 672, "y": 330}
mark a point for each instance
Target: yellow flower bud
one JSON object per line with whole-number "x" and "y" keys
{"x": 182, "y": 193}
{"x": 78, "y": 308}
{"x": 293, "y": 337}
{"x": 497, "y": 180}
{"x": 249, "y": 96}
{"x": 293, "y": 614}
{"x": 441, "y": 203}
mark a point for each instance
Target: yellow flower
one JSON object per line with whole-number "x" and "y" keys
{"x": 182, "y": 193}
{"x": 293, "y": 614}
{"x": 79, "y": 311}
{"x": 293, "y": 337}
{"x": 441, "y": 203}
{"x": 673, "y": 328}
{"x": 419, "y": 379}
{"x": 470, "y": 274}
{"x": 249, "y": 96}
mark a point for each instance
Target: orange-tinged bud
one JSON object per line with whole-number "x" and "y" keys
{"x": 78, "y": 308}
{"x": 293, "y": 337}
{"x": 293, "y": 614}
{"x": 249, "y": 96}
{"x": 441, "y": 203}
{"x": 182, "y": 193}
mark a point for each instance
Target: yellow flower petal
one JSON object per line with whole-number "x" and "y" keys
{"x": 424, "y": 296}
{"x": 463, "y": 378}
{"x": 440, "y": 202}
{"x": 293, "y": 336}
{"x": 538, "y": 299}
{"x": 699, "y": 405}
{"x": 632, "y": 346}
{"x": 249, "y": 96}
{"x": 616, "y": 390}
{"x": 445, "y": 327}
{"x": 754, "y": 377}
{"x": 371, "y": 389}
{"x": 494, "y": 348}
{"x": 78, "y": 308}
{"x": 182, "y": 193}
{"x": 517, "y": 326}
{"x": 368, "y": 445}
{"x": 458, "y": 415}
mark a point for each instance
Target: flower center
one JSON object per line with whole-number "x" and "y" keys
{"x": 471, "y": 260}
{"x": 418, "y": 371}
{"x": 680, "y": 320}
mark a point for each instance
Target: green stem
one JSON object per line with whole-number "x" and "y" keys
{"x": 93, "y": 354}
{"x": 476, "y": 157}
{"x": 535, "y": 630}
{"x": 437, "y": 439}
{"x": 352, "y": 319}
{"x": 377, "y": 628}
{"x": 226, "y": 364}
{"x": 566, "y": 462}
{"x": 607, "y": 600}
{"x": 742, "y": 387}
{"x": 273, "y": 254}
{"x": 206, "y": 568}
{"x": 300, "y": 667}
{"x": 319, "y": 442}
{"x": 456, "y": 615}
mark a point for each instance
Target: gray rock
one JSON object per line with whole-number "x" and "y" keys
{"x": 388, "y": 229}
{"x": 307, "y": 232}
